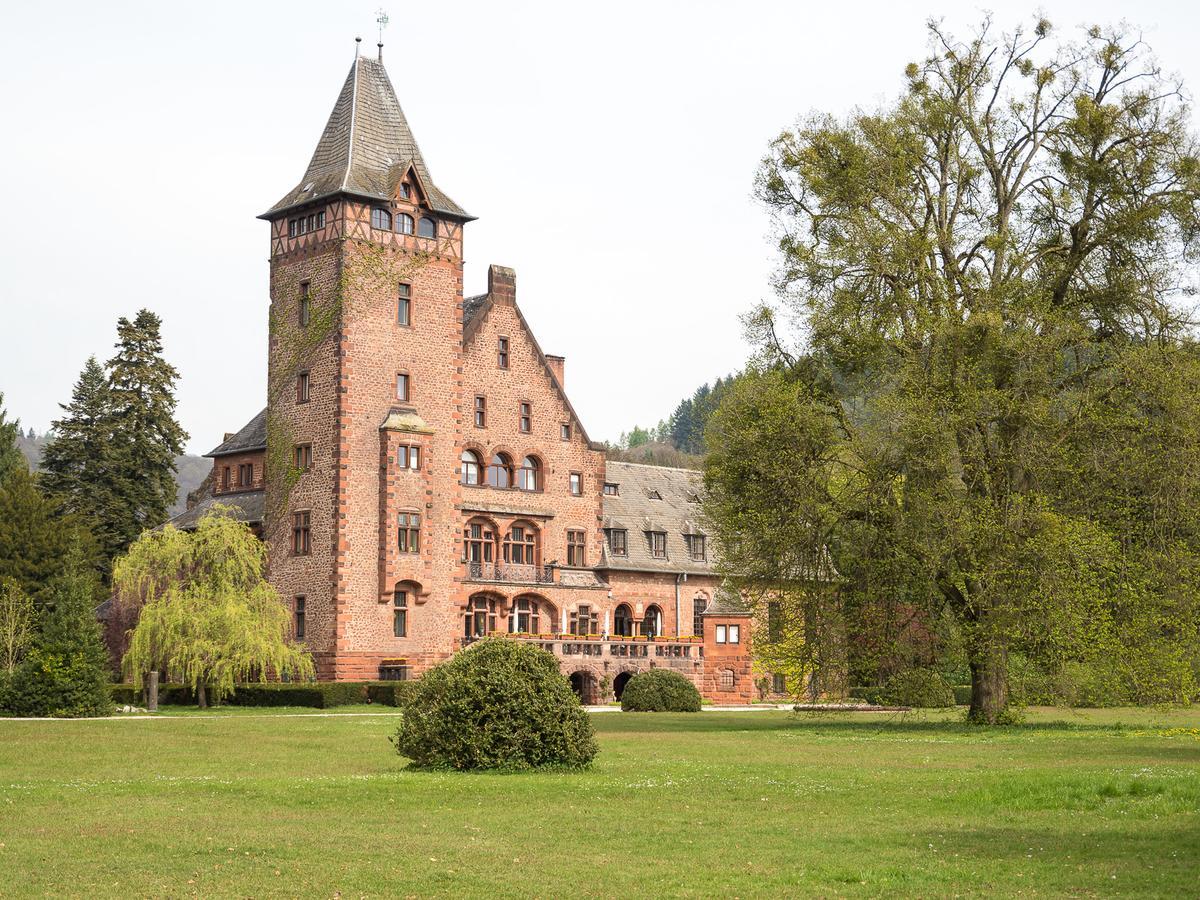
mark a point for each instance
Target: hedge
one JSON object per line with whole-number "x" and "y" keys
{"x": 920, "y": 688}
{"x": 315, "y": 694}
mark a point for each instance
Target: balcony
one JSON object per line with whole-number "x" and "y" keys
{"x": 510, "y": 573}
{"x": 595, "y": 645}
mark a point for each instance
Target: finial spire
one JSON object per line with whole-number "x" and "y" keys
{"x": 357, "y": 46}
{"x": 381, "y": 17}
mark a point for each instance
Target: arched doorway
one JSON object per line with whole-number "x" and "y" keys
{"x": 619, "y": 683}
{"x": 583, "y": 683}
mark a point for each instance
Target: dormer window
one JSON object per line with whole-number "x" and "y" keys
{"x": 404, "y": 193}
{"x": 611, "y": 489}
{"x": 404, "y": 223}
{"x": 381, "y": 219}
{"x": 426, "y": 227}
{"x": 654, "y": 495}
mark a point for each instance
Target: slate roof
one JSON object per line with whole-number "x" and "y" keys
{"x": 253, "y": 436}
{"x": 634, "y": 508}
{"x": 471, "y": 306}
{"x": 366, "y": 148}
{"x": 246, "y": 506}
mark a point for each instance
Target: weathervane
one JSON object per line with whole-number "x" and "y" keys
{"x": 382, "y": 18}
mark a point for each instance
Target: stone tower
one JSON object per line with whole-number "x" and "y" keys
{"x": 364, "y": 384}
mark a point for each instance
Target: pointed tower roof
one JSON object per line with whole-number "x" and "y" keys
{"x": 366, "y": 148}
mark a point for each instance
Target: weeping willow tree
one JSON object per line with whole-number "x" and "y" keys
{"x": 208, "y": 617}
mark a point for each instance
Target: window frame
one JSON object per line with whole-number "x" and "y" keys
{"x": 302, "y": 532}
{"x": 304, "y": 305}
{"x": 299, "y": 617}
{"x": 654, "y": 539}
{"x": 624, "y": 542}
{"x": 381, "y": 219}
{"x": 404, "y": 304}
{"x": 564, "y": 431}
{"x": 502, "y": 352}
{"x": 480, "y": 411}
{"x": 408, "y": 532}
{"x": 422, "y": 222}
{"x": 525, "y": 417}
{"x": 403, "y": 387}
{"x": 303, "y": 386}
{"x": 302, "y": 457}
{"x": 528, "y": 472}
{"x": 575, "y": 484}
{"x": 577, "y": 547}
{"x": 399, "y": 613}
{"x": 474, "y": 464}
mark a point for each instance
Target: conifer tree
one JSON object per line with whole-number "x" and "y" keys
{"x": 10, "y": 453}
{"x": 80, "y": 463}
{"x": 146, "y": 437}
{"x": 66, "y": 671}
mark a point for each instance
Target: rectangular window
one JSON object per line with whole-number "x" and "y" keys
{"x": 734, "y": 633}
{"x": 526, "y": 417}
{"x": 611, "y": 489}
{"x": 699, "y": 604}
{"x": 225, "y": 478}
{"x": 721, "y": 634}
{"x": 502, "y": 353}
{"x": 564, "y": 431}
{"x": 305, "y": 305}
{"x": 409, "y": 533}
{"x": 576, "y": 555}
{"x": 576, "y": 484}
{"x": 480, "y": 411}
{"x": 299, "y": 604}
{"x": 245, "y": 475}
{"x": 658, "y": 544}
{"x": 400, "y": 614}
{"x": 302, "y": 387}
{"x": 303, "y": 457}
{"x": 404, "y": 305}
{"x": 402, "y": 386}
{"x": 408, "y": 457}
{"x": 779, "y": 683}
{"x": 301, "y": 534}
{"x": 696, "y": 547}
{"x": 617, "y": 542}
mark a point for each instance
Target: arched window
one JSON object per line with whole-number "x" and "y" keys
{"x": 623, "y": 621}
{"x": 400, "y": 612}
{"x": 472, "y": 466}
{"x": 529, "y": 478}
{"x": 525, "y": 617}
{"x": 479, "y": 542}
{"x": 520, "y": 545}
{"x": 480, "y": 619}
{"x": 381, "y": 219}
{"x": 699, "y": 605}
{"x": 499, "y": 473}
{"x": 426, "y": 227}
{"x": 652, "y": 622}
{"x": 404, "y": 223}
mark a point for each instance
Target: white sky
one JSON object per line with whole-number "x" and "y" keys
{"x": 608, "y": 149}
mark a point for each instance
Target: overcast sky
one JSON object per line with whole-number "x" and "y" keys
{"x": 608, "y": 149}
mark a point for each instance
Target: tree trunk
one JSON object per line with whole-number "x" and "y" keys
{"x": 152, "y": 692}
{"x": 201, "y": 696}
{"x": 989, "y": 683}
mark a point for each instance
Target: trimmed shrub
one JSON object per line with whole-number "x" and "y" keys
{"x": 498, "y": 704}
{"x": 660, "y": 690}
{"x": 317, "y": 694}
{"x": 168, "y": 695}
{"x": 921, "y": 688}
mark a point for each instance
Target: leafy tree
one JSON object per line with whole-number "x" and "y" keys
{"x": 16, "y": 623}
{"x": 978, "y": 269}
{"x": 146, "y": 437}
{"x": 66, "y": 671}
{"x": 10, "y": 454}
{"x": 205, "y": 613}
{"x": 81, "y": 465}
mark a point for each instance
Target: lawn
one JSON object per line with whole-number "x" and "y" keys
{"x": 709, "y": 804}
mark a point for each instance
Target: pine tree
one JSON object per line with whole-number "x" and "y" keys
{"x": 80, "y": 462}
{"x": 146, "y": 437}
{"x": 10, "y": 454}
{"x": 66, "y": 671}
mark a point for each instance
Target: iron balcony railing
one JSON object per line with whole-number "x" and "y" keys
{"x": 511, "y": 573}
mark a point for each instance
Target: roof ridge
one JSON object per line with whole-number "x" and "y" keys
{"x": 353, "y": 113}
{"x": 623, "y": 462}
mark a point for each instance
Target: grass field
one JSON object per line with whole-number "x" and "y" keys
{"x": 710, "y": 804}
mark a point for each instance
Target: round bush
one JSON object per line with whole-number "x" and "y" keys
{"x": 660, "y": 690}
{"x": 923, "y": 688}
{"x": 499, "y": 704}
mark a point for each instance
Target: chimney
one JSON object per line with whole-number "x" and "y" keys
{"x": 502, "y": 284}
{"x": 557, "y": 364}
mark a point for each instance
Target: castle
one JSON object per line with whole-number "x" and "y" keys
{"x": 419, "y": 474}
